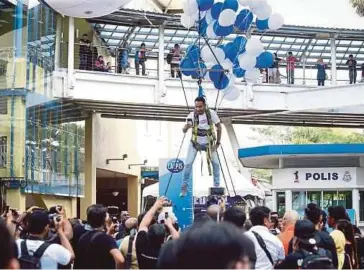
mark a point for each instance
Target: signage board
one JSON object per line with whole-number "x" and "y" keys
{"x": 315, "y": 178}
{"x": 13, "y": 182}
{"x": 170, "y": 181}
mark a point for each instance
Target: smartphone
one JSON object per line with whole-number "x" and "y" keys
{"x": 57, "y": 218}
{"x": 189, "y": 121}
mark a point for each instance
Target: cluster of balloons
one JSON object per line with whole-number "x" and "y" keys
{"x": 240, "y": 58}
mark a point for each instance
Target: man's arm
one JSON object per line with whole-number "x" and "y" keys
{"x": 68, "y": 231}
{"x": 218, "y": 131}
{"x": 118, "y": 258}
{"x": 64, "y": 240}
{"x": 172, "y": 230}
{"x": 150, "y": 214}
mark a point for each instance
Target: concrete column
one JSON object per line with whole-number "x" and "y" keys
{"x": 161, "y": 91}
{"x": 288, "y": 199}
{"x": 304, "y": 69}
{"x": 356, "y": 199}
{"x": 134, "y": 197}
{"x": 333, "y": 62}
{"x": 274, "y": 195}
{"x": 233, "y": 142}
{"x": 58, "y": 48}
{"x": 90, "y": 166}
{"x": 71, "y": 52}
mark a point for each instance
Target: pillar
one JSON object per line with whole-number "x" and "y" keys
{"x": 90, "y": 166}
{"x": 133, "y": 196}
{"x": 333, "y": 62}
{"x": 288, "y": 199}
{"x": 57, "y": 59}
{"x": 161, "y": 90}
{"x": 356, "y": 205}
{"x": 274, "y": 201}
{"x": 304, "y": 68}
{"x": 71, "y": 51}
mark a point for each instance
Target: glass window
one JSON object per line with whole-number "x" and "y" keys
{"x": 345, "y": 199}
{"x": 281, "y": 203}
{"x": 361, "y": 205}
{"x": 329, "y": 199}
{"x": 3, "y": 151}
{"x": 314, "y": 197}
{"x": 298, "y": 200}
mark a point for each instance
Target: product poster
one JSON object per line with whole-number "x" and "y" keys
{"x": 182, "y": 206}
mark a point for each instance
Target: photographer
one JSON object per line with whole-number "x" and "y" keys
{"x": 97, "y": 248}
{"x": 50, "y": 255}
{"x": 58, "y": 212}
{"x": 150, "y": 238}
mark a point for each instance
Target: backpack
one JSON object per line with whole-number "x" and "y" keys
{"x": 28, "y": 261}
{"x": 318, "y": 260}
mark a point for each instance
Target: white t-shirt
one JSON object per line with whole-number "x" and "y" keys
{"x": 203, "y": 124}
{"x": 54, "y": 254}
{"x": 274, "y": 246}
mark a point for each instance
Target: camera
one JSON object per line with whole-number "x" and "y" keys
{"x": 189, "y": 121}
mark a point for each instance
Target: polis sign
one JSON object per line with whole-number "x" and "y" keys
{"x": 323, "y": 176}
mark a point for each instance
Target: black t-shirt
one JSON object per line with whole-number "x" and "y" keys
{"x": 83, "y": 47}
{"x": 147, "y": 255}
{"x": 95, "y": 254}
{"x": 351, "y": 64}
{"x": 78, "y": 231}
{"x": 326, "y": 242}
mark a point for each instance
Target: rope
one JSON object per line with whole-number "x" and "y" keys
{"x": 223, "y": 174}
{"x": 185, "y": 95}
{"x": 227, "y": 166}
{"x": 179, "y": 152}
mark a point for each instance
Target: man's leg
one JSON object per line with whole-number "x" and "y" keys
{"x": 143, "y": 68}
{"x": 172, "y": 71}
{"x": 191, "y": 155}
{"x": 215, "y": 168}
{"x": 137, "y": 67}
{"x": 351, "y": 76}
{"x": 355, "y": 75}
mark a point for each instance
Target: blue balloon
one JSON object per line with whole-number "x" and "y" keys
{"x": 216, "y": 72}
{"x": 204, "y": 5}
{"x": 238, "y": 71}
{"x": 185, "y": 66}
{"x": 230, "y": 51}
{"x": 262, "y": 24}
{"x": 231, "y": 4}
{"x": 201, "y": 69}
{"x": 265, "y": 60}
{"x": 244, "y": 20}
{"x": 193, "y": 53}
{"x": 240, "y": 43}
{"x": 222, "y": 82}
{"x": 202, "y": 26}
{"x": 216, "y": 10}
{"x": 222, "y": 31}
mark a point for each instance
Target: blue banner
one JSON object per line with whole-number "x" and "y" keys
{"x": 182, "y": 206}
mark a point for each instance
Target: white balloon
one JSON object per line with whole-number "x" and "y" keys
{"x": 188, "y": 21}
{"x": 252, "y": 75}
{"x": 245, "y": 3}
{"x": 208, "y": 17}
{"x": 275, "y": 21}
{"x": 231, "y": 93}
{"x": 219, "y": 54}
{"x": 263, "y": 12}
{"x": 207, "y": 55}
{"x": 256, "y": 4}
{"x": 86, "y": 8}
{"x": 227, "y": 17}
{"x": 247, "y": 61}
{"x": 190, "y": 7}
{"x": 227, "y": 65}
{"x": 254, "y": 46}
{"x": 210, "y": 31}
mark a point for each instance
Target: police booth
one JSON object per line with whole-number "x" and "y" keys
{"x": 328, "y": 175}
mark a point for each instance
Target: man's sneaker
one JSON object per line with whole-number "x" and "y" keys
{"x": 183, "y": 190}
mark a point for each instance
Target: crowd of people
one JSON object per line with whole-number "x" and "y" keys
{"x": 219, "y": 238}
{"x": 90, "y": 60}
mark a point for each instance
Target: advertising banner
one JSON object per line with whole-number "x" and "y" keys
{"x": 171, "y": 188}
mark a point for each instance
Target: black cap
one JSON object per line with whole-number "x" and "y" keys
{"x": 156, "y": 234}
{"x": 305, "y": 232}
{"x": 37, "y": 221}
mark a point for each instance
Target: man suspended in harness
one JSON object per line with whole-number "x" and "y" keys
{"x": 202, "y": 122}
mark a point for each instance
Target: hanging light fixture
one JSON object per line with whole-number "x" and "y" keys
{"x": 115, "y": 193}
{"x": 85, "y": 8}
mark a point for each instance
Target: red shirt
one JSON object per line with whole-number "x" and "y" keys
{"x": 291, "y": 60}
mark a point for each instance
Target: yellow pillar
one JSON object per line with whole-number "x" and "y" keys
{"x": 15, "y": 198}
{"x": 90, "y": 166}
{"x": 133, "y": 196}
